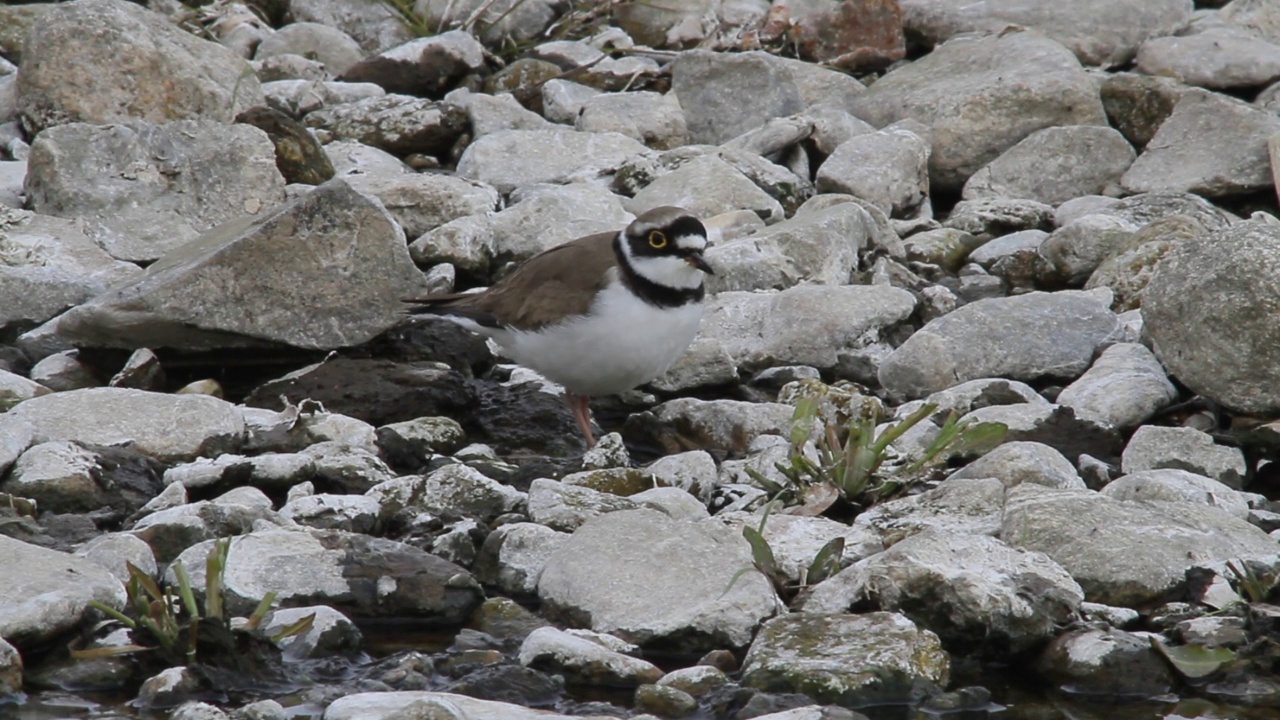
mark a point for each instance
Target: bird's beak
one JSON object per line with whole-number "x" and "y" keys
{"x": 696, "y": 260}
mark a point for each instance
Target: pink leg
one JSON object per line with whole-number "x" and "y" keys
{"x": 579, "y": 405}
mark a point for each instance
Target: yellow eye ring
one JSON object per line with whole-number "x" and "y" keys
{"x": 657, "y": 239}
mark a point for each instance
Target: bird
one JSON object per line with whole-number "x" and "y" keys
{"x": 598, "y": 315}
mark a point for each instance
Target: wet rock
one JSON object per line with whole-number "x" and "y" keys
{"x": 68, "y": 477}
{"x": 364, "y": 706}
{"x": 584, "y": 659}
{"x": 707, "y": 186}
{"x": 425, "y": 66}
{"x": 171, "y": 530}
{"x": 513, "y": 556}
{"x": 1220, "y": 58}
{"x": 1022, "y": 81}
{"x": 724, "y": 95}
{"x": 330, "y": 46}
{"x": 1100, "y": 540}
{"x": 398, "y": 124}
{"x": 1153, "y": 447}
{"x": 1169, "y": 485}
{"x": 168, "y": 428}
{"x": 653, "y": 119}
{"x": 357, "y": 574}
{"x": 331, "y": 632}
{"x": 46, "y": 592}
{"x": 1107, "y": 662}
{"x": 184, "y": 301}
{"x": 413, "y": 442}
{"x": 1042, "y": 334}
{"x": 1230, "y": 161}
{"x": 656, "y": 581}
{"x": 137, "y": 66}
{"x": 1054, "y": 165}
{"x": 889, "y": 168}
{"x": 514, "y": 158}
{"x": 970, "y": 506}
{"x": 1123, "y": 388}
{"x": 567, "y": 507}
{"x": 1200, "y": 310}
{"x": 975, "y": 592}
{"x": 850, "y": 660}
{"x": 1017, "y": 462}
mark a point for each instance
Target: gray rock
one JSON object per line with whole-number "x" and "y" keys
{"x": 1220, "y": 58}
{"x": 445, "y": 706}
{"x": 145, "y": 189}
{"x": 975, "y": 592}
{"x": 707, "y": 186}
{"x": 1230, "y": 160}
{"x": 287, "y": 67}
{"x": 490, "y": 114}
{"x": 1099, "y": 32}
{"x": 1106, "y": 544}
{"x": 329, "y": 45}
{"x": 1128, "y": 267}
{"x": 654, "y": 119}
{"x": 889, "y": 168}
{"x": 302, "y": 97}
{"x": 946, "y": 247}
{"x": 804, "y": 325}
{"x": 819, "y": 84}
{"x": 724, "y": 95}
{"x": 193, "y": 710}
{"x": 562, "y": 100}
{"x": 833, "y": 126}
{"x": 1054, "y": 425}
{"x": 352, "y": 513}
{"x": 795, "y": 540}
{"x": 1138, "y": 104}
{"x": 973, "y": 395}
{"x": 1177, "y": 486}
{"x": 513, "y": 556}
{"x": 453, "y": 488}
{"x": 675, "y": 502}
{"x": 353, "y": 469}
{"x": 515, "y": 158}
{"x": 414, "y": 442}
{"x": 1054, "y": 165}
{"x": 584, "y": 659}
{"x": 850, "y": 660}
{"x": 46, "y": 593}
{"x": 1039, "y": 335}
{"x": 1105, "y": 662}
{"x": 184, "y": 300}
{"x": 968, "y": 506}
{"x": 10, "y": 670}
{"x": 274, "y": 471}
{"x": 1014, "y": 463}
{"x": 653, "y": 580}
{"x": 171, "y": 530}
{"x": 331, "y": 632}
{"x": 1125, "y": 387}
{"x": 495, "y": 22}
{"x": 361, "y": 575}
{"x": 567, "y": 507}
{"x": 395, "y": 123}
{"x": 138, "y": 66}
{"x": 992, "y": 217}
{"x": 350, "y": 157}
{"x": 167, "y": 427}
{"x": 1258, "y": 16}
{"x": 12, "y": 174}
{"x": 422, "y": 202}
{"x": 65, "y": 477}
{"x": 424, "y": 67}
{"x": 114, "y": 551}
{"x": 374, "y": 25}
{"x": 1078, "y": 207}
{"x": 1201, "y": 311}
{"x": 725, "y": 424}
{"x": 14, "y": 389}
{"x": 981, "y": 95}
{"x": 1153, "y": 447}
{"x": 694, "y": 472}
{"x": 706, "y": 363}
{"x": 1078, "y": 248}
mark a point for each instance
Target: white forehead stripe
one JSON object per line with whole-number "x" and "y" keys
{"x": 691, "y": 242}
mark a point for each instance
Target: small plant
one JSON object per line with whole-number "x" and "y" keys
{"x": 824, "y": 564}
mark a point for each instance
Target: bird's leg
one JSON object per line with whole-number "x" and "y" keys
{"x": 579, "y": 404}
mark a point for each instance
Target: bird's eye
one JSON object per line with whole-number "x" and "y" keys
{"x": 657, "y": 239}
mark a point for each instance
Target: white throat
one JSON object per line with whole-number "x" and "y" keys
{"x": 672, "y": 272}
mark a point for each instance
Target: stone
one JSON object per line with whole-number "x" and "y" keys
{"x": 1211, "y": 144}
{"x": 456, "y": 489}
{"x": 46, "y": 593}
{"x": 981, "y": 95}
{"x": 693, "y": 471}
{"x": 562, "y": 100}
{"x": 705, "y": 363}
{"x": 514, "y": 158}
{"x": 140, "y": 194}
{"x": 184, "y": 300}
{"x": 115, "y": 551}
{"x": 724, "y": 95}
{"x": 796, "y": 540}
{"x": 1138, "y": 104}
{"x": 653, "y": 119}
{"x": 954, "y": 347}
{"x": 707, "y": 186}
{"x": 441, "y": 705}
{"x": 1177, "y": 486}
{"x": 970, "y": 506}
{"x": 654, "y": 580}
{"x": 423, "y": 67}
{"x": 414, "y": 442}
{"x": 513, "y": 556}
{"x": 1152, "y": 447}
{"x": 491, "y": 114}
{"x": 1105, "y": 662}
{"x": 664, "y": 701}
{"x": 423, "y": 201}
{"x": 993, "y": 217}
{"x": 1124, "y": 388}
{"x": 299, "y": 98}
{"x": 287, "y": 67}
{"x": 137, "y": 66}
{"x": 330, "y": 46}
{"x": 862, "y": 35}
{"x": 567, "y": 507}
{"x": 351, "y": 513}
{"x": 331, "y": 632}
{"x": 374, "y": 25}
{"x": 1128, "y": 267}
{"x": 1076, "y": 249}
{"x": 584, "y": 659}
{"x": 14, "y": 389}
{"x": 168, "y": 428}
{"x": 1201, "y": 311}
{"x": 66, "y": 477}
{"x": 398, "y": 124}
{"x": 723, "y": 424}
{"x": 494, "y": 22}
{"x": 1054, "y": 165}
{"x": 1014, "y": 463}
{"x": 889, "y": 169}
{"x": 1054, "y": 425}
{"x": 10, "y": 670}
{"x": 1220, "y": 58}
{"x": 850, "y": 660}
{"x": 171, "y": 529}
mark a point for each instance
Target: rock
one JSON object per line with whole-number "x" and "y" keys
{"x": 1128, "y": 267}
{"x": 331, "y": 633}
{"x": 697, "y": 680}
{"x": 978, "y": 594}
{"x": 168, "y": 428}
{"x": 1232, "y": 160}
{"x": 421, "y": 202}
{"x": 970, "y": 506}
{"x": 172, "y": 530}
{"x": 48, "y": 264}
{"x": 1097, "y": 31}
{"x": 329, "y": 45}
{"x": 890, "y": 169}
{"x": 693, "y": 471}
{"x": 138, "y": 66}
{"x": 1041, "y": 334}
{"x": 1100, "y": 540}
{"x": 946, "y": 247}
{"x": 357, "y": 574}
{"x": 562, "y": 100}
{"x": 114, "y": 551}
{"x": 1054, "y": 425}
{"x": 805, "y": 325}
{"x": 705, "y": 364}
{"x": 584, "y": 659}
{"x": 445, "y": 706}
{"x": 10, "y": 670}
{"x": 505, "y": 21}
{"x": 653, "y": 119}
{"x": 853, "y": 35}
{"x": 664, "y": 701}
{"x": 184, "y": 300}
{"x": 298, "y": 98}
{"x": 352, "y": 513}
{"x": 1168, "y": 485}
{"x": 993, "y": 217}
{"x": 14, "y": 389}
{"x": 1105, "y": 661}
{"x": 490, "y": 114}
{"x": 1138, "y": 105}
{"x": 653, "y": 580}
{"x": 514, "y": 158}
{"x": 149, "y": 189}
{"x": 821, "y": 246}
{"x": 1054, "y": 165}
{"x": 413, "y": 442}
{"x": 1125, "y": 386}
{"x": 46, "y": 592}
{"x": 455, "y": 489}
{"x": 425, "y": 66}
{"x": 193, "y": 710}
{"x": 398, "y": 124}
{"x": 67, "y": 477}
{"x": 1220, "y": 58}
{"x": 375, "y": 26}
{"x": 1014, "y": 463}
{"x": 287, "y": 67}
{"x": 1078, "y": 248}
{"x": 724, "y": 95}
{"x": 567, "y": 507}
{"x": 1201, "y": 311}
{"x": 849, "y": 660}
{"x": 724, "y": 424}
{"x": 707, "y": 186}
{"x": 1153, "y": 447}
{"x": 981, "y": 95}
{"x": 795, "y": 540}
{"x": 513, "y": 556}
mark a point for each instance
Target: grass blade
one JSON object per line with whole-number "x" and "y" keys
{"x": 261, "y": 611}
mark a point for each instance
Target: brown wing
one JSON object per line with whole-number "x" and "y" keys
{"x": 552, "y": 284}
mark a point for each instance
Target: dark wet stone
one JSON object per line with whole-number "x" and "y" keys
{"x": 522, "y": 417}
{"x": 510, "y": 684}
{"x": 432, "y": 339}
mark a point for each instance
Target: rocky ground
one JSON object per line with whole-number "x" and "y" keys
{"x": 1056, "y": 220}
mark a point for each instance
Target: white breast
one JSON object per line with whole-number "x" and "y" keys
{"x": 623, "y": 342}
